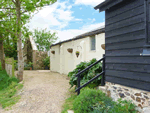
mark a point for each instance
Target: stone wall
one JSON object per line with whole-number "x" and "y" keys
{"x": 38, "y": 57}
{"x": 140, "y": 98}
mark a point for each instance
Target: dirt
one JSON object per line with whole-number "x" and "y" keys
{"x": 43, "y": 92}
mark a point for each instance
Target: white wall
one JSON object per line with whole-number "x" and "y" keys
{"x": 55, "y": 59}
{"x": 64, "y": 62}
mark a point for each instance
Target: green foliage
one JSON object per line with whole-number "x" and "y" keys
{"x": 8, "y": 88}
{"x": 0, "y": 67}
{"x": 95, "y": 101}
{"x": 30, "y": 64}
{"x": 86, "y": 76}
{"x": 46, "y": 61}
{"x": 87, "y": 98}
{"x": 69, "y": 101}
{"x": 44, "y": 39}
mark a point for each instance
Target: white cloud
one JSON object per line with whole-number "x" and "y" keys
{"x": 67, "y": 34}
{"x": 58, "y": 14}
{"x": 89, "y": 2}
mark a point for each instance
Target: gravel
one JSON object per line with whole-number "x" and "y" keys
{"x": 43, "y": 92}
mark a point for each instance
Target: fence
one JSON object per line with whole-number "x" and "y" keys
{"x": 9, "y": 66}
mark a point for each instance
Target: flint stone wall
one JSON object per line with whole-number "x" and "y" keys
{"x": 140, "y": 98}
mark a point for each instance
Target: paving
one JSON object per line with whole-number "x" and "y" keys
{"x": 43, "y": 92}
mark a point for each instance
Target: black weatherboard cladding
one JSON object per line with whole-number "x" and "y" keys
{"x": 125, "y": 38}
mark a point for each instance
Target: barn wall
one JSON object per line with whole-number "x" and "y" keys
{"x": 66, "y": 62}
{"x": 125, "y": 38}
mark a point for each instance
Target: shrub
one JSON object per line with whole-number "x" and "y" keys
{"x": 95, "y": 101}
{"x": 46, "y": 61}
{"x": 89, "y": 97}
{"x": 86, "y": 76}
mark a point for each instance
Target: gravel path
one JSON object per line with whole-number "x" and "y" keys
{"x": 43, "y": 92}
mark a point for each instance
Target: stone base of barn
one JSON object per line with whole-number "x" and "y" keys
{"x": 139, "y": 97}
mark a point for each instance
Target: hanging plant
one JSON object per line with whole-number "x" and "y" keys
{"x": 53, "y": 52}
{"x": 77, "y": 53}
{"x": 70, "y": 50}
{"x": 103, "y": 46}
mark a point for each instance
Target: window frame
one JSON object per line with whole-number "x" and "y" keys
{"x": 91, "y": 37}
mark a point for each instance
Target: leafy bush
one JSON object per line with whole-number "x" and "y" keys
{"x": 86, "y": 76}
{"x": 89, "y": 97}
{"x": 95, "y": 101}
{"x": 46, "y": 61}
{"x": 26, "y": 66}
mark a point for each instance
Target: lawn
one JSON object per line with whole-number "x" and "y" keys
{"x": 8, "y": 89}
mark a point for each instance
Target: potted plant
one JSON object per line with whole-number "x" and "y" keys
{"x": 77, "y": 53}
{"x": 70, "y": 50}
{"x": 46, "y": 63}
{"x": 53, "y": 52}
{"x": 30, "y": 65}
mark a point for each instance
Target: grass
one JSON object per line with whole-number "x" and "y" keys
{"x": 68, "y": 105}
{"x": 8, "y": 89}
{"x": 0, "y": 67}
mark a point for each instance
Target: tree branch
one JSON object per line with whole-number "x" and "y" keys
{"x": 13, "y": 1}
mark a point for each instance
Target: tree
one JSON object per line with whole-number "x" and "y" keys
{"x": 44, "y": 39}
{"x": 20, "y": 11}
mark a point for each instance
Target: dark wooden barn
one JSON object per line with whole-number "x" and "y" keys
{"x": 127, "y": 42}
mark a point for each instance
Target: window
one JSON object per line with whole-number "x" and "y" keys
{"x": 93, "y": 43}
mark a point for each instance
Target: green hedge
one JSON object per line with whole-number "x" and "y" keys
{"x": 95, "y": 101}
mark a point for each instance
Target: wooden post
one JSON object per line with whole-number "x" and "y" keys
{"x": 13, "y": 68}
{"x": 78, "y": 82}
{"x": 103, "y": 69}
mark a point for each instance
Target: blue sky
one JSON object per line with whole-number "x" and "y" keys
{"x": 69, "y": 18}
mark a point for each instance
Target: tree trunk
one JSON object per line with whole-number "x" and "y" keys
{"x": 2, "y": 57}
{"x": 19, "y": 43}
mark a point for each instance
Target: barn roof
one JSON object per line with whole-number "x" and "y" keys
{"x": 93, "y": 32}
{"x": 107, "y": 4}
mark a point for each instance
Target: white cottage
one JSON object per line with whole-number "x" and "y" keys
{"x": 63, "y": 55}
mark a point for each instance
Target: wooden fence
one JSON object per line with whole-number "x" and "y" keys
{"x": 9, "y": 66}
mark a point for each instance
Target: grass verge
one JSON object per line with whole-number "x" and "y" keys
{"x": 8, "y": 89}
{"x": 68, "y": 105}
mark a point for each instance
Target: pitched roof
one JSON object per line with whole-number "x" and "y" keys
{"x": 107, "y": 4}
{"x": 93, "y": 32}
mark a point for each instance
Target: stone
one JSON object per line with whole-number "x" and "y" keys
{"x": 70, "y": 111}
{"x": 121, "y": 95}
{"x": 132, "y": 97}
{"x": 128, "y": 94}
{"x": 119, "y": 90}
{"x": 114, "y": 87}
{"x": 146, "y": 110}
{"x": 143, "y": 99}
{"x": 102, "y": 88}
{"x": 126, "y": 89}
{"x": 149, "y": 103}
{"x": 139, "y": 105}
{"x": 108, "y": 93}
{"x": 146, "y": 97}
{"x": 145, "y": 93}
{"x": 114, "y": 91}
{"x": 138, "y": 94}
{"x": 138, "y": 99}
